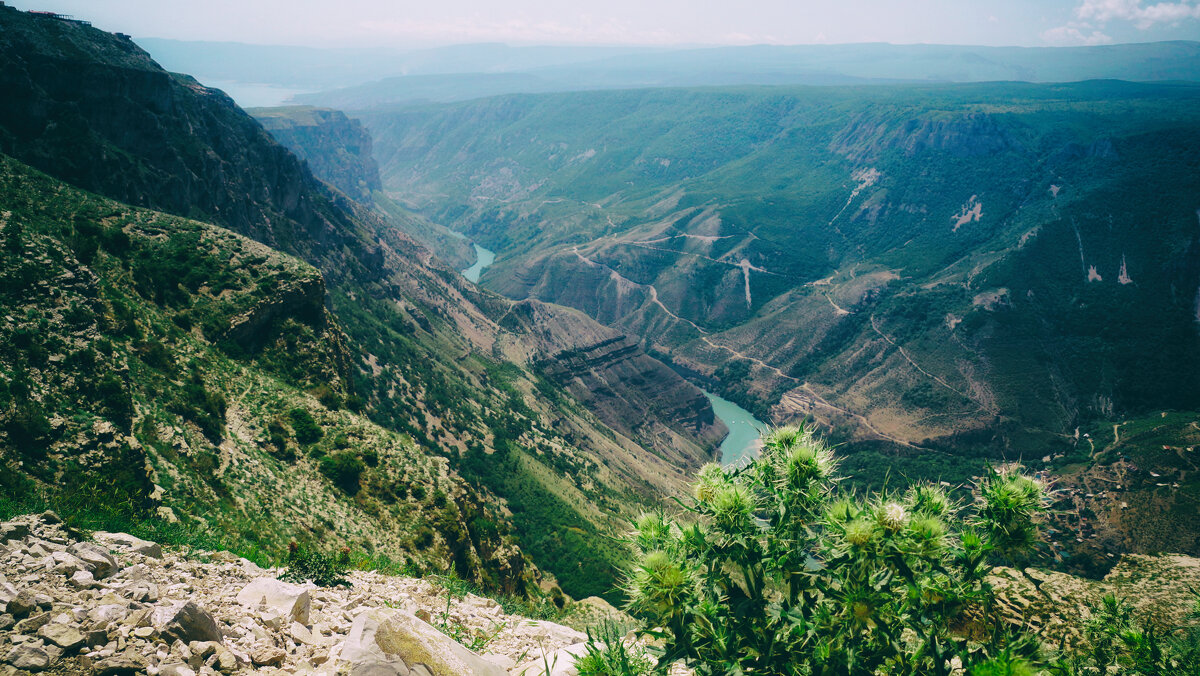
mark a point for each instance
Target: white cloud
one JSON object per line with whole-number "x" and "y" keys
{"x": 1074, "y": 34}
{"x": 1132, "y": 10}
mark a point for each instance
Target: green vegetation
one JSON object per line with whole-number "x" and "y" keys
{"x": 777, "y": 570}
{"x": 344, "y": 469}
{"x": 783, "y": 574}
{"x": 1117, "y": 642}
{"x": 608, "y": 654}
{"x": 305, "y": 428}
{"x": 322, "y": 570}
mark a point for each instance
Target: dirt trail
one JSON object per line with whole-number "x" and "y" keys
{"x": 821, "y": 401}
{"x": 748, "y": 358}
{"x": 915, "y": 365}
{"x": 837, "y": 309}
{"x": 653, "y": 292}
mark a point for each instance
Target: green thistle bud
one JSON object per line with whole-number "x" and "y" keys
{"x": 841, "y": 510}
{"x": 784, "y": 438}
{"x": 710, "y": 477}
{"x": 930, "y": 500}
{"x": 661, "y": 584}
{"x": 652, "y": 530}
{"x": 860, "y": 532}
{"x": 731, "y": 506}
{"x": 929, "y": 531}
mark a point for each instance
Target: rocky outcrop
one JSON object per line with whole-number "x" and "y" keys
{"x": 302, "y": 299}
{"x": 627, "y": 389}
{"x": 336, "y": 148}
{"x": 867, "y": 136}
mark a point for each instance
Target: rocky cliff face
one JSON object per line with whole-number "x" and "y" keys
{"x": 336, "y": 148}
{"x": 632, "y": 393}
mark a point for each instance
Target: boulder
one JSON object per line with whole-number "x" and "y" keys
{"x": 101, "y": 615}
{"x": 32, "y": 623}
{"x": 187, "y": 622}
{"x": 94, "y": 558}
{"x": 389, "y": 636}
{"x": 126, "y": 664}
{"x": 176, "y": 669}
{"x": 289, "y": 600}
{"x": 225, "y": 661}
{"x": 67, "y": 564}
{"x": 267, "y": 656}
{"x": 13, "y": 531}
{"x": 62, "y": 635}
{"x": 83, "y": 579}
{"x": 124, "y": 542}
{"x": 28, "y": 657}
{"x": 22, "y": 604}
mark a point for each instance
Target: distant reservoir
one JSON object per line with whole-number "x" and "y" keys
{"x": 745, "y": 431}
{"x": 483, "y": 258}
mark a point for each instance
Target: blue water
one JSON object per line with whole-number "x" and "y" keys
{"x": 483, "y": 258}
{"x": 745, "y": 431}
{"x": 253, "y": 94}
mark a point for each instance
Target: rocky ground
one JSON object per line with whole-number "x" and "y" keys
{"x": 115, "y": 604}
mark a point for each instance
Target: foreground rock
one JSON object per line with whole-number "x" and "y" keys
{"x": 386, "y": 640}
{"x": 122, "y": 605}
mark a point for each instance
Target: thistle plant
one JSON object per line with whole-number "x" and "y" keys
{"x": 778, "y": 571}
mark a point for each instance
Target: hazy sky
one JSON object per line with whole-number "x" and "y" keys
{"x": 663, "y": 22}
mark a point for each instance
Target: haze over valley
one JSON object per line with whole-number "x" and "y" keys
{"x": 636, "y": 342}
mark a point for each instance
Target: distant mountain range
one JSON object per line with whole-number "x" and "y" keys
{"x": 361, "y": 78}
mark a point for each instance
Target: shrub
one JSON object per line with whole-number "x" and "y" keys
{"x": 28, "y": 428}
{"x": 782, "y": 573}
{"x": 344, "y": 469}
{"x": 609, "y": 655}
{"x": 305, "y": 427}
{"x": 1117, "y": 643}
{"x": 304, "y": 565}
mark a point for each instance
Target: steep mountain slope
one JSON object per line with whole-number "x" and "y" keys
{"x": 161, "y": 363}
{"x": 977, "y": 269}
{"x": 453, "y": 367}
